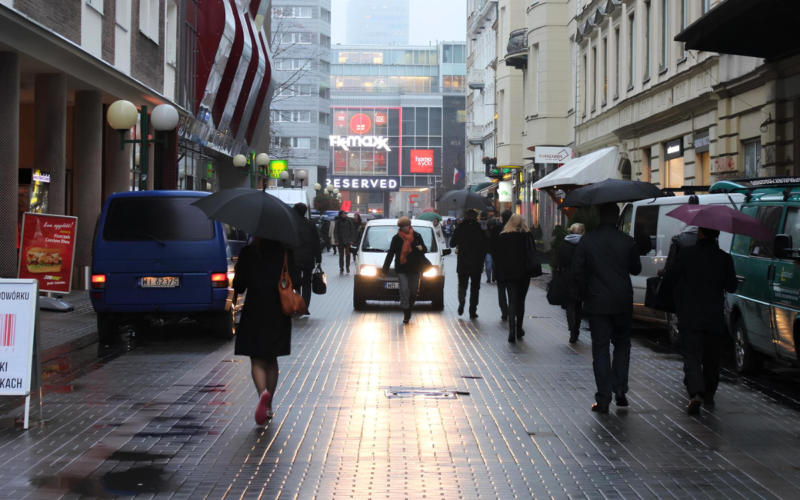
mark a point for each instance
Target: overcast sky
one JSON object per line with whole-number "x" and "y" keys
{"x": 430, "y": 20}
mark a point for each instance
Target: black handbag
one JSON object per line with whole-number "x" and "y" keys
{"x": 319, "y": 281}
{"x": 557, "y": 294}
{"x": 532, "y": 260}
{"x": 657, "y": 297}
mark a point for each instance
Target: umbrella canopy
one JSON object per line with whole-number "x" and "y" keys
{"x": 430, "y": 209}
{"x": 429, "y": 216}
{"x": 722, "y": 218}
{"x": 465, "y": 199}
{"x": 610, "y": 191}
{"x": 257, "y": 214}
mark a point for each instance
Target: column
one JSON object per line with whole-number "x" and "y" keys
{"x": 50, "y": 136}
{"x": 165, "y": 168}
{"x": 9, "y": 162}
{"x": 116, "y": 161}
{"x": 88, "y": 155}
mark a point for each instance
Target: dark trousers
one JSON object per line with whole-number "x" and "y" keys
{"x": 474, "y": 283}
{"x": 502, "y": 293}
{"x": 610, "y": 376}
{"x": 344, "y": 249}
{"x": 701, "y": 353}
{"x": 574, "y": 315}
{"x": 517, "y": 292}
{"x": 304, "y": 287}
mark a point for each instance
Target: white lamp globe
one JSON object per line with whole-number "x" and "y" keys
{"x": 339, "y": 196}
{"x": 122, "y": 115}
{"x": 317, "y": 187}
{"x": 164, "y": 117}
{"x": 239, "y": 161}
{"x": 302, "y": 175}
{"x": 284, "y": 175}
{"x": 262, "y": 159}
{"x": 335, "y": 191}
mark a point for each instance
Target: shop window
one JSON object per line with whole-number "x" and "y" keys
{"x": 702, "y": 175}
{"x": 752, "y": 158}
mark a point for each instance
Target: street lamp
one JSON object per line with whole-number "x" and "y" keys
{"x": 122, "y": 116}
{"x": 262, "y": 160}
{"x": 239, "y": 161}
{"x": 284, "y": 177}
{"x": 302, "y": 174}
{"x": 336, "y": 191}
{"x": 317, "y": 187}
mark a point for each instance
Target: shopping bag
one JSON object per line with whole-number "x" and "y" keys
{"x": 319, "y": 281}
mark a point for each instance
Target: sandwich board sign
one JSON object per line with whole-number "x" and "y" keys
{"x": 48, "y": 251}
{"x": 20, "y": 365}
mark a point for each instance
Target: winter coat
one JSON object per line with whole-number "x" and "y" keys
{"x": 325, "y": 230}
{"x": 603, "y": 264}
{"x": 308, "y": 254}
{"x": 345, "y": 230}
{"x": 511, "y": 265}
{"x": 263, "y": 329}
{"x": 416, "y": 259}
{"x": 563, "y": 265}
{"x": 332, "y": 231}
{"x": 698, "y": 279}
{"x": 472, "y": 247}
{"x": 494, "y": 240}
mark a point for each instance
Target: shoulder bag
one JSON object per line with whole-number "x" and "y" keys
{"x": 532, "y": 260}
{"x": 557, "y": 294}
{"x": 319, "y": 281}
{"x": 291, "y": 301}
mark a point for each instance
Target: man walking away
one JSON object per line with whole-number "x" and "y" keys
{"x": 488, "y": 262}
{"x": 698, "y": 279}
{"x": 563, "y": 266}
{"x": 346, "y": 234}
{"x": 604, "y": 260}
{"x": 307, "y": 256}
{"x": 494, "y": 241}
{"x": 471, "y": 246}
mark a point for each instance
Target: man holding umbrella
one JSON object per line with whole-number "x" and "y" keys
{"x": 471, "y": 245}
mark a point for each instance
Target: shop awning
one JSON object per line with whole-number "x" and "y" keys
{"x": 479, "y": 186}
{"x": 588, "y": 169}
{"x": 765, "y": 28}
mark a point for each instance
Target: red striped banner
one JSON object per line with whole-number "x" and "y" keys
{"x": 8, "y": 325}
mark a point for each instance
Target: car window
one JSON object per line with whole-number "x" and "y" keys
{"x": 645, "y": 229}
{"x": 792, "y": 225}
{"x": 157, "y": 217}
{"x": 741, "y": 243}
{"x": 771, "y": 217}
{"x": 626, "y": 219}
{"x": 379, "y": 238}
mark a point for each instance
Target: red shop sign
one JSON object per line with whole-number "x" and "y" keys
{"x": 360, "y": 124}
{"x": 47, "y": 252}
{"x": 346, "y": 205}
{"x": 380, "y": 118}
{"x": 421, "y": 161}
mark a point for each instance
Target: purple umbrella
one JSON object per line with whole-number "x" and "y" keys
{"x": 722, "y": 218}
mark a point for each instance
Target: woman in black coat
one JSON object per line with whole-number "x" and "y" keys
{"x": 563, "y": 266}
{"x": 264, "y": 332}
{"x": 409, "y": 263}
{"x": 512, "y": 270}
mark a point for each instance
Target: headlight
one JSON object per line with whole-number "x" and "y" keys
{"x": 431, "y": 273}
{"x": 369, "y": 271}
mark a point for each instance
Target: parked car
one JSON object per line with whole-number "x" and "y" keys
{"x": 763, "y": 313}
{"x": 647, "y": 222}
{"x": 156, "y": 256}
{"x": 370, "y": 255}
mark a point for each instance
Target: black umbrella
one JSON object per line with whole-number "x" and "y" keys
{"x": 258, "y": 214}
{"x": 610, "y": 191}
{"x": 464, "y": 198}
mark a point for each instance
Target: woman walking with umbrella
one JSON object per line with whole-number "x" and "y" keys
{"x": 408, "y": 251}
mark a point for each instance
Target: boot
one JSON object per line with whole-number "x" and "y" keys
{"x": 406, "y": 316}
{"x": 512, "y": 331}
{"x": 573, "y": 336}
{"x": 520, "y": 331}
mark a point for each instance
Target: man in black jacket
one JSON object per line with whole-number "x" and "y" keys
{"x": 471, "y": 245}
{"x": 494, "y": 240}
{"x": 306, "y": 256}
{"x": 346, "y": 234}
{"x": 604, "y": 260}
{"x": 699, "y": 277}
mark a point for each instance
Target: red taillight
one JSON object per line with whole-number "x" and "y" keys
{"x": 98, "y": 281}
{"x": 219, "y": 280}
{"x": 97, "y": 296}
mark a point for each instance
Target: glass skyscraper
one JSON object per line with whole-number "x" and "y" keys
{"x": 377, "y": 22}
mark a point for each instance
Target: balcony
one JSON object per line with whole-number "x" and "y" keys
{"x": 517, "y": 49}
{"x": 476, "y": 79}
{"x": 474, "y": 135}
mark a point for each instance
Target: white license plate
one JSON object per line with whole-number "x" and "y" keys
{"x": 161, "y": 282}
{"x": 392, "y": 285}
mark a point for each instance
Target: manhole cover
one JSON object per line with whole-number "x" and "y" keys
{"x": 399, "y": 392}
{"x": 471, "y": 376}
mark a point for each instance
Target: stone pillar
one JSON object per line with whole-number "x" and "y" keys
{"x": 165, "y": 168}
{"x": 88, "y": 167}
{"x": 50, "y": 136}
{"x": 116, "y": 161}
{"x": 9, "y": 162}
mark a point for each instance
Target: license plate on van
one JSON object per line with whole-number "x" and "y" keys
{"x": 391, "y": 285}
{"x": 161, "y": 282}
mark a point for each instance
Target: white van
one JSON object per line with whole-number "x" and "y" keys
{"x": 290, "y": 196}
{"x": 647, "y": 222}
{"x": 371, "y": 254}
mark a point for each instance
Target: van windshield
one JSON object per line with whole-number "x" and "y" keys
{"x": 157, "y": 218}
{"x": 379, "y": 238}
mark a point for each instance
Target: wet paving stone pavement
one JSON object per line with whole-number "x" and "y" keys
{"x": 444, "y": 408}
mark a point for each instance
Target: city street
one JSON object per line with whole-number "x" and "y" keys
{"x": 170, "y": 415}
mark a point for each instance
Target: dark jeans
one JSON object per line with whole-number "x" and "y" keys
{"x": 610, "y": 376}
{"x": 516, "y": 303}
{"x": 474, "y": 282}
{"x": 304, "y": 286}
{"x": 574, "y": 315}
{"x": 701, "y": 353}
{"x": 344, "y": 249}
{"x": 502, "y": 293}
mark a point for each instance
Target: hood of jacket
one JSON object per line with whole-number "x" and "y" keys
{"x": 573, "y": 238}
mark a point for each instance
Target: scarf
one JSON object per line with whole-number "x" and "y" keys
{"x": 408, "y": 241}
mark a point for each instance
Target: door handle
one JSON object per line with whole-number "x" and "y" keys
{"x": 769, "y": 271}
{"x": 740, "y": 278}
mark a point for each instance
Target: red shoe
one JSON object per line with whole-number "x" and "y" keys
{"x": 264, "y": 407}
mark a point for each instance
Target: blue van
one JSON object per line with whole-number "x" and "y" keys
{"x": 157, "y": 256}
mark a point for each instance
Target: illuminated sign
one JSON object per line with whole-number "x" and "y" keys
{"x": 276, "y": 167}
{"x": 360, "y": 124}
{"x": 381, "y": 118}
{"x": 365, "y": 183}
{"x": 545, "y": 154}
{"x": 421, "y": 161}
{"x": 39, "y": 176}
{"x": 354, "y": 141}
{"x": 673, "y": 149}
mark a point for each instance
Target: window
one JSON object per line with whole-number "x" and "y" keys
{"x": 752, "y": 158}
{"x": 605, "y": 71}
{"x": 295, "y": 90}
{"x": 645, "y": 230}
{"x": 616, "y": 63}
{"x": 325, "y": 41}
{"x": 323, "y": 118}
{"x": 299, "y": 38}
{"x": 165, "y": 218}
{"x": 664, "y": 34}
{"x": 647, "y": 41}
{"x": 744, "y": 245}
{"x": 792, "y": 224}
{"x": 172, "y": 33}
{"x": 447, "y": 54}
{"x": 631, "y": 50}
{"x": 96, "y": 5}
{"x": 536, "y": 81}
{"x": 594, "y": 78}
{"x": 585, "y": 84}
{"x": 626, "y": 220}
{"x": 150, "y": 18}
{"x": 293, "y": 12}
{"x": 291, "y": 116}
{"x": 706, "y": 4}
{"x": 292, "y": 142}
{"x": 122, "y": 13}
{"x": 283, "y": 64}
{"x": 684, "y": 22}
{"x": 325, "y": 15}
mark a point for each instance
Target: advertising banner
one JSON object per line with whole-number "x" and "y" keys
{"x": 547, "y": 154}
{"x": 504, "y": 191}
{"x": 421, "y": 161}
{"x": 18, "y": 308}
{"x": 365, "y": 183}
{"x": 47, "y": 252}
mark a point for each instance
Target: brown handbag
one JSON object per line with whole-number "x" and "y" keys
{"x": 291, "y": 301}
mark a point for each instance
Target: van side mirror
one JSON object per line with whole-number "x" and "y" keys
{"x": 447, "y": 251}
{"x": 782, "y": 247}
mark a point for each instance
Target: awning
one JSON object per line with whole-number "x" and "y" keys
{"x": 479, "y": 186}
{"x": 588, "y": 169}
{"x": 763, "y": 28}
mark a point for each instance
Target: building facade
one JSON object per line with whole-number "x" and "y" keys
{"x": 377, "y": 22}
{"x": 481, "y": 64}
{"x": 398, "y": 126}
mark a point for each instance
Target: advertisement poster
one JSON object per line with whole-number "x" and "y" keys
{"x": 504, "y": 191}
{"x": 17, "y": 321}
{"x": 421, "y": 161}
{"x": 48, "y": 251}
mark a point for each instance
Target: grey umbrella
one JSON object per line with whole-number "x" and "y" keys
{"x": 464, "y": 198}
{"x": 610, "y": 191}
{"x": 258, "y": 214}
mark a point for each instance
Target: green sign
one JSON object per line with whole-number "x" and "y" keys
{"x": 210, "y": 167}
{"x": 276, "y": 167}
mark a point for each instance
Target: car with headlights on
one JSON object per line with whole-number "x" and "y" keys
{"x": 370, "y": 254}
